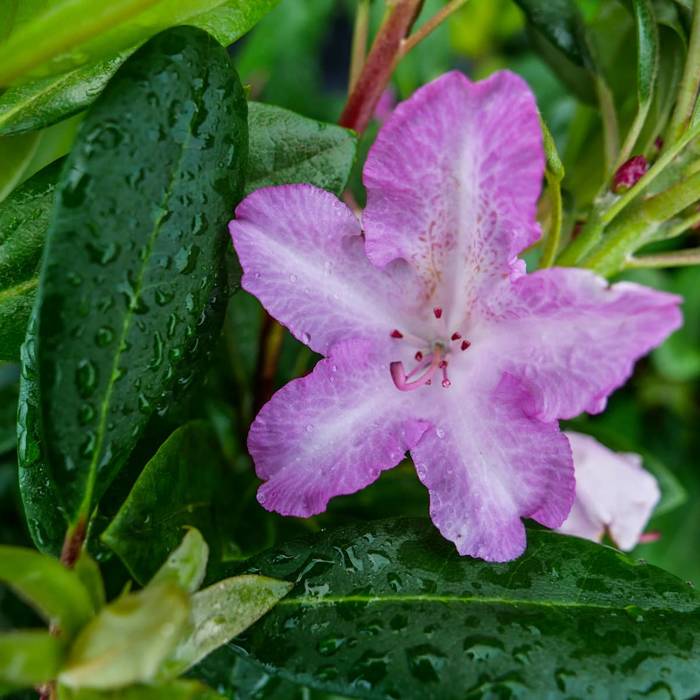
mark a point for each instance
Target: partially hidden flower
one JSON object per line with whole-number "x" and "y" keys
{"x": 615, "y": 495}
{"x": 629, "y": 174}
{"x": 435, "y": 340}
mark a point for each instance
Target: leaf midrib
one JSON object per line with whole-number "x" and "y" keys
{"x": 321, "y": 601}
{"x": 126, "y": 325}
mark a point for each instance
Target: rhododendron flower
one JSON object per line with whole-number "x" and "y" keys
{"x": 614, "y": 493}
{"x": 435, "y": 340}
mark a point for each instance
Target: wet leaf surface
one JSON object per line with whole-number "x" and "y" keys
{"x": 389, "y": 610}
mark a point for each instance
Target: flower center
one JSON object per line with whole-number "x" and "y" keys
{"x": 428, "y": 362}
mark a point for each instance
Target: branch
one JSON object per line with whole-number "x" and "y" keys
{"x": 435, "y": 21}
{"x": 380, "y": 63}
{"x": 676, "y": 258}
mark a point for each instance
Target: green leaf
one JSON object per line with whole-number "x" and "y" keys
{"x": 128, "y": 640}
{"x": 24, "y": 219}
{"x": 45, "y": 517}
{"x": 176, "y": 489}
{"x": 131, "y": 297}
{"x": 42, "y": 102}
{"x": 400, "y": 614}
{"x": 87, "y": 570}
{"x": 50, "y": 588}
{"x": 286, "y": 148}
{"x": 16, "y": 152}
{"x": 30, "y": 658}
{"x": 560, "y": 21}
{"x": 222, "y": 611}
{"x": 647, "y": 35}
{"x": 177, "y": 690}
{"x": 187, "y": 565}
{"x": 70, "y": 33}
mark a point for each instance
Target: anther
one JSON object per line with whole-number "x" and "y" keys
{"x": 456, "y": 336}
{"x": 419, "y": 356}
{"x": 446, "y": 383}
{"x": 437, "y": 311}
{"x": 465, "y": 344}
{"x": 396, "y": 333}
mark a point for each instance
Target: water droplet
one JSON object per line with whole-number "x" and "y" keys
{"x": 104, "y": 336}
{"x": 309, "y": 428}
{"x": 425, "y": 663}
{"x": 305, "y": 338}
{"x": 86, "y": 378}
{"x": 440, "y": 433}
{"x": 292, "y": 278}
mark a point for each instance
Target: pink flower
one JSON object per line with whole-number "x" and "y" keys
{"x": 435, "y": 340}
{"x": 614, "y": 494}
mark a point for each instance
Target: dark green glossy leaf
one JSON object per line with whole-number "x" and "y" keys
{"x": 178, "y": 488}
{"x": 128, "y": 293}
{"x": 45, "y": 517}
{"x": 561, "y": 23}
{"x": 389, "y": 610}
{"x": 8, "y": 410}
{"x": 24, "y": 219}
{"x": 287, "y": 148}
{"x": 30, "y": 658}
{"x": 50, "y": 588}
{"x": 69, "y": 33}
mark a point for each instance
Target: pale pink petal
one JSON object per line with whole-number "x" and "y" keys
{"x": 452, "y": 184}
{"x": 303, "y": 257}
{"x": 487, "y": 465}
{"x": 571, "y": 336}
{"x": 332, "y": 432}
{"x": 613, "y": 492}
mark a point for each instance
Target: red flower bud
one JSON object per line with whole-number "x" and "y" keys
{"x": 629, "y": 173}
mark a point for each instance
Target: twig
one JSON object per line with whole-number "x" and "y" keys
{"x": 435, "y": 21}
{"x": 676, "y": 258}
{"x": 271, "y": 337}
{"x": 73, "y": 543}
{"x": 359, "y": 42}
{"x": 379, "y": 65}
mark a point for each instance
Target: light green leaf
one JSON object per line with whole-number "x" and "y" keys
{"x": 24, "y": 219}
{"x": 30, "y": 658}
{"x": 400, "y": 614}
{"x": 50, "y": 588}
{"x": 177, "y": 690}
{"x": 287, "y": 148}
{"x": 70, "y": 33}
{"x": 128, "y": 640}
{"x": 131, "y": 299}
{"x": 222, "y": 611}
{"x": 16, "y": 152}
{"x": 187, "y": 565}
{"x": 87, "y": 570}
{"x": 177, "y": 489}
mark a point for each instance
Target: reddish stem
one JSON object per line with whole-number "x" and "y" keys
{"x": 380, "y": 63}
{"x": 73, "y": 543}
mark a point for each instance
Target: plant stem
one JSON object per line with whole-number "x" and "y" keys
{"x": 271, "y": 337}
{"x": 553, "y": 236}
{"x": 359, "y": 42}
{"x": 379, "y": 65}
{"x": 611, "y": 136}
{"x": 73, "y": 543}
{"x": 690, "y": 82}
{"x": 680, "y": 227}
{"x": 435, "y": 21}
{"x": 676, "y": 258}
{"x": 633, "y": 230}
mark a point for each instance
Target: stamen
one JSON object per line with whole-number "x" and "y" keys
{"x": 465, "y": 344}
{"x": 446, "y": 383}
{"x": 396, "y": 333}
{"x": 456, "y": 336}
{"x": 437, "y": 311}
{"x": 419, "y": 356}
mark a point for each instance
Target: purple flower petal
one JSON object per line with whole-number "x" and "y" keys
{"x": 453, "y": 181}
{"x": 303, "y": 257}
{"x": 332, "y": 432}
{"x": 572, "y": 337}
{"x": 487, "y": 464}
{"x": 613, "y": 492}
